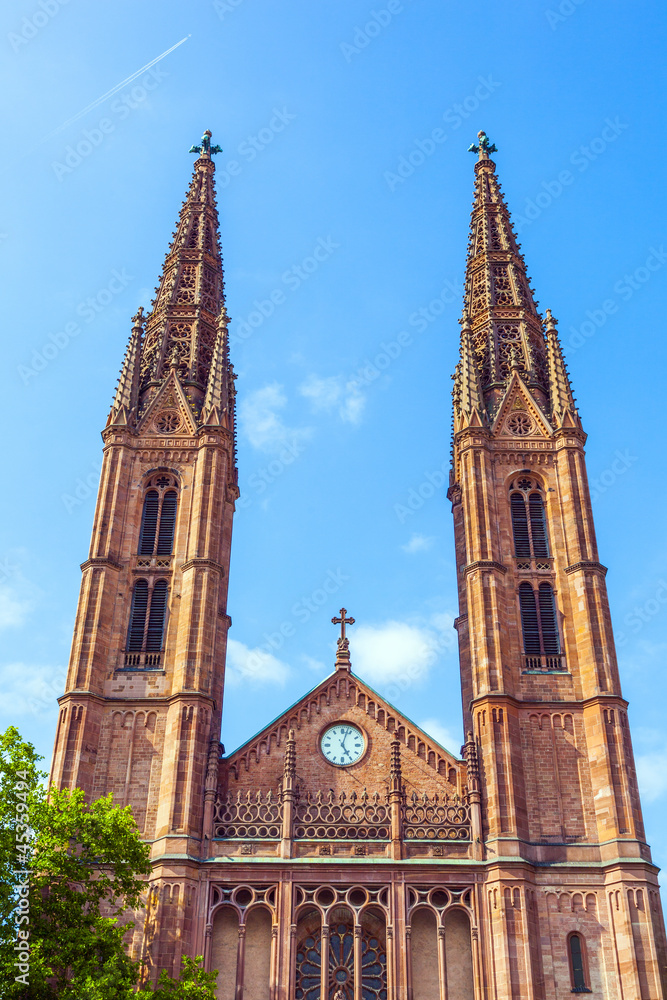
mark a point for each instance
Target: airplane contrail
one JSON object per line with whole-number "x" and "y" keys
{"x": 114, "y": 90}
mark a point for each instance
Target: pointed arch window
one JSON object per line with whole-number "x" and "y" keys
{"x": 158, "y": 519}
{"x": 539, "y": 627}
{"x": 529, "y": 522}
{"x": 145, "y": 633}
{"x": 577, "y": 957}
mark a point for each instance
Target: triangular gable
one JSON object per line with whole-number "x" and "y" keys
{"x": 170, "y": 407}
{"x": 341, "y": 691}
{"x": 518, "y": 414}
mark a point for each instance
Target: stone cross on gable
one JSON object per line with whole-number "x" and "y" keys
{"x": 342, "y": 621}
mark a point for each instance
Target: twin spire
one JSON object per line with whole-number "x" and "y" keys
{"x": 503, "y": 336}
{"x": 185, "y": 335}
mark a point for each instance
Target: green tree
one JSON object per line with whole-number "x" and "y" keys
{"x": 86, "y": 864}
{"x": 193, "y": 983}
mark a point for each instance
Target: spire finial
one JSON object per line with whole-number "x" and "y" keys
{"x": 138, "y": 318}
{"x": 205, "y": 148}
{"x": 342, "y": 644}
{"x": 484, "y": 146}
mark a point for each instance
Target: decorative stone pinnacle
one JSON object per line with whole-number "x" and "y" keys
{"x": 138, "y": 318}
{"x": 551, "y": 320}
{"x": 290, "y": 755}
{"x": 395, "y": 759}
{"x": 484, "y": 147}
{"x": 205, "y": 148}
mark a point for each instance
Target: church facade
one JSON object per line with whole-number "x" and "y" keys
{"x": 342, "y": 853}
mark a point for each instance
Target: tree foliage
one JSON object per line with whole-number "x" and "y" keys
{"x": 70, "y": 875}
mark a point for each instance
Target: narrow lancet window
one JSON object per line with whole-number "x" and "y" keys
{"x": 577, "y": 967}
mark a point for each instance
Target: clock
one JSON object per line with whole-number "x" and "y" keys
{"x": 342, "y": 744}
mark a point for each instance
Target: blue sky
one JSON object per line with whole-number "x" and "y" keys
{"x": 326, "y": 114}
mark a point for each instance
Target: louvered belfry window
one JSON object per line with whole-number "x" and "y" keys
{"x": 158, "y": 522}
{"x": 156, "y": 617}
{"x": 539, "y": 624}
{"x": 529, "y": 523}
{"x": 165, "y": 538}
{"x": 135, "y": 633}
{"x": 149, "y": 523}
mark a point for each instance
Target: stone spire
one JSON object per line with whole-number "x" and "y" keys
{"x": 181, "y": 328}
{"x": 505, "y": 329}
{"x": 562, "y": 403}
{"x": 123, "y": 409}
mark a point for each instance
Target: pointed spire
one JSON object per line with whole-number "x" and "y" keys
{"x": 505, "y": 327}
{"x": 181, "y": 328}
{"x": 123, "y": 409}
{"x": 563, "y": 407}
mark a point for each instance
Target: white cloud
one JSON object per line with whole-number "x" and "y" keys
{"x": 13, "y": 610}
{"x": 393, "y": 652}
{"x": 30, "y": 689}
{"x": 418, "y": 543}
{"x": 445, "y": 737}
{"x": 254, "y": 665}
{"x": 316, "y": 665}
{"x": 334, "y": 393}
{"x": 652, "y": 775}
{"x": 262, "y": 424}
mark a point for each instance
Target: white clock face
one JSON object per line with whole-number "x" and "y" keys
{"x": 342, "y": 744}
